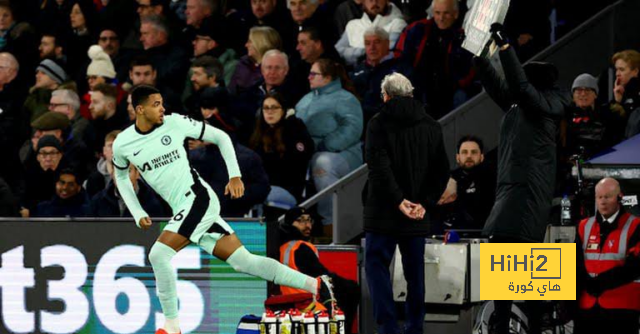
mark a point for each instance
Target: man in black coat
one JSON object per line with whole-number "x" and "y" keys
{"x": 408, "y": 170}
{"x": 527, "y": 150}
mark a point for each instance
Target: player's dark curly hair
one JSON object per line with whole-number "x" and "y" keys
{"x": 141, "y": 93}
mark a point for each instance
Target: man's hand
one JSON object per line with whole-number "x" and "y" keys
{"x": 450, "y": 194}
{"x": 419, "y": 212}
{"x": 499, "y": 35}
{"x": 235, "y": 187}
{"x": 411, "y": 210}
{"x": 618, "y": 91}
{"x": 145, "y": 223}
{"x": 593, "y": 287}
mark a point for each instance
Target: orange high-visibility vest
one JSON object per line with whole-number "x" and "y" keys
{"x": 613, "y": 254}
{"x": 288, "y": 257}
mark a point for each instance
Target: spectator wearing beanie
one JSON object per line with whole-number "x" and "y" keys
{"x": 40, "y": 174}
{"x": 587, "y": 123}
{"x": 59, "y": 126}
{"x": 49, "y": 76}
{"x": 100, "y": 71}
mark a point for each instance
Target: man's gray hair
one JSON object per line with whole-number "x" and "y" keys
{"x": 157, "y": 22}
{"x": 68, "y": 96}
{"x": 454, "y": 3}
{"x": 377, "y": 31}
{"x": 276, "y": 52}
{"x": 315, "y": 2}
{"x": 13, "y": 62}
{"x": 396, "y": 84}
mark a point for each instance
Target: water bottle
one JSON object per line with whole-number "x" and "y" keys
{"x": 268, "y": 325}
{"x": 323, "y": 323}
{"x": 340, "y": 322}
{"x": 565, "y": 212}
{"x": 309, "y": 322}
{"x": 296, "y": 321}
{"x": 284, "y": 322}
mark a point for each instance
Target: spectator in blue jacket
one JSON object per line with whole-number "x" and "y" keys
{"x": 333, "y": 117}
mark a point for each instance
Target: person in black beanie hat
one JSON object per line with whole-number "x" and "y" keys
{"x": 533, "y": 106}
{"x": 213, "y": 104}
{"x": 298, "y": 253}
{"x": 41, "y": 174}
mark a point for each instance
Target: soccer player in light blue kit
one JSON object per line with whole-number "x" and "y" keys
{"x": 155, "y": 146}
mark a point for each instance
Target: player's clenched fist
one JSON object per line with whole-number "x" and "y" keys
{"x": 145, "y": 223}
{"x": 235, "y": 187}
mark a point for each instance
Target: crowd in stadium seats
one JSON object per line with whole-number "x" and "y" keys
{"x": 293, "y": 82}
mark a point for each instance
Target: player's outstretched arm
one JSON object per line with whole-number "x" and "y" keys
{"x": 125, "y": 188}
{"x": 222, "y": 140}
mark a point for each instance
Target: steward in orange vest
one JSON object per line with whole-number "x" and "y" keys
{"x": 298, "y": 253}
{"x": 609, "y": 266}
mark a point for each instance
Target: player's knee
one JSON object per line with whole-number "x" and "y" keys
{"x": 160, "y": 254}
{"x": 241, "y": 260}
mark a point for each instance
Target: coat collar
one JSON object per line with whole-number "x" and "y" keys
{"x": 331, "y": 87}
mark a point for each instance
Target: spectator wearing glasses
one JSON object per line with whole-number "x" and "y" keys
{"x": 57, "y": 125}
{"x": 275, "y": 78}
{"x": 333, "y": 117}
{"x": 67, "y": 102}
{"x": 210, "y": 41}
{"x": 40, "y": 174}
{"x": 285, "y": 146}
{"x": 297, "y": 252}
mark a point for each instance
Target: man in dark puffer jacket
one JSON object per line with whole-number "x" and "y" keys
{"x": 408, "y": 170}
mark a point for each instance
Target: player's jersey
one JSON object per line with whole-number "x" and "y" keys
{"x": 161, "y": 158}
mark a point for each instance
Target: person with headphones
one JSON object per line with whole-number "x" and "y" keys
{"x": 608, "y": 260}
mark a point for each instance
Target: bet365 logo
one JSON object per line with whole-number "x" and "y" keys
{"x": 528, "y": 271}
